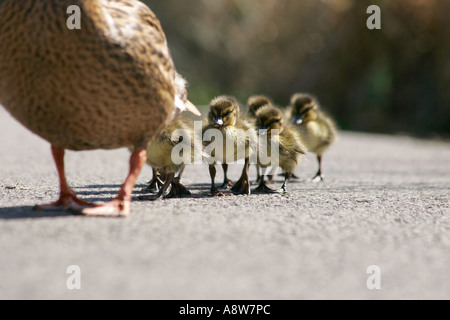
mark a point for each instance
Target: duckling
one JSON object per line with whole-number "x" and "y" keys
{"x": 179, "y": 133}
{"x": 290, "y": 146}
{"x": 160, "y": 156}
{"x": 182, "y": 124}
{"x": 316, "y": 128}
{"x": 107, "y": 86}
{"x": 254, "y": 103}
{"x": 240, "y": 135}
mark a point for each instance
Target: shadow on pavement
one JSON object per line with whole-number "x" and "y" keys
{"x": 92, "y": 193}
{"x": 27, "y": 212}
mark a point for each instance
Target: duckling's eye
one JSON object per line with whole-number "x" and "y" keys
{"x": 227, "y": 113}
{"x": 273, "y": 122}
{"x": 306, "y": 110}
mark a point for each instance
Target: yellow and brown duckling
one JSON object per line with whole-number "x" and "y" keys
{"x": 165, "y": 160}
{"x": 106, "y": 86}
{"x": 318, "y": 130}
{"x": 254, "y": 103}
{"x": 224, "y": 119}
{"x": 164, "y": 143}
{"x": 290, "y": 147}
{"x": 169, "y": 153}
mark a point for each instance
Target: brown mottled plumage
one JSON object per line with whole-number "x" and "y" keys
{"x": 110, "y": 84}
{"x": 288, "y": 140}
{"x": 318, "y": 130}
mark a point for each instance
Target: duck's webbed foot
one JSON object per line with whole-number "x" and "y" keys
{"x": 154, "y": 185}
{"x": 263, "y": 188}
{"x": 318, "y": 177}
{"x": 177, "y": 190}
{"x": 68, "y": 200}
{"x": 120, "y": 207}
{"x": 287, "y": 177}
{"x": 116, "y": 208}
{"x": 242, "y": 186}
{"x": 160, "y": 195}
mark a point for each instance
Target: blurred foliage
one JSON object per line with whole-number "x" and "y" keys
{"x": 396, "y": 79}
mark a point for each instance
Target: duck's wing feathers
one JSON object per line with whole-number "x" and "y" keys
{"x": 134, "y": 34}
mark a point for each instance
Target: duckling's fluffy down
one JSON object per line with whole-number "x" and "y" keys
{"x": 161, "y": 152}
{"x": 241, "y": 138}
{"x": 291, "y": 149}
{"x": 318, "y": 135}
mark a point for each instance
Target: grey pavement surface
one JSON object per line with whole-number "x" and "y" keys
{"x": 385, "y": 202}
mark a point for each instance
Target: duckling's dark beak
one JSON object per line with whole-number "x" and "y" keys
{"x": 297, "y": 119}
{"x": 218, "y": 121}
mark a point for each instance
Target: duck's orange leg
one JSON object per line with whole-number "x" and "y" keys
{"x": 67, "y": 197}
{"x": 120, "y": 207}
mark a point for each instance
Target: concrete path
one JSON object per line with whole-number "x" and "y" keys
{"x": 385, "y": 203}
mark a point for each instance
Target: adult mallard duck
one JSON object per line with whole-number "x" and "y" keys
{"x": 108, "y": 85}
{"x": 317, "y": 129}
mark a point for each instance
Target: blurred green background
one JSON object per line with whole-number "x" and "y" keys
{"x": 392, "y": 80}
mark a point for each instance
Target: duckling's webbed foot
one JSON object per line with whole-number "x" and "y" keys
{"x": 287, "y": 177}
{"x": 242, "y": 186}
{"x": 317, "y": 178}
{"x": 162, "y": 190}
{"x": 154, "y": 185}
{"x": 263, "y": 188}
{"x": 177, "y": 190}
